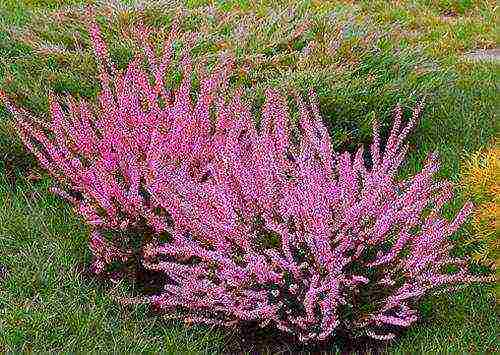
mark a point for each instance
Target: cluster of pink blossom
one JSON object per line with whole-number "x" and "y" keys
{"x": 261, "y": 227}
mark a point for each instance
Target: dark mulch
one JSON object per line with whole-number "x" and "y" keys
{"x": 251, "y": 339}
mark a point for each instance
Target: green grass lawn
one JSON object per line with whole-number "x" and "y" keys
{"x": 47, "y": 300}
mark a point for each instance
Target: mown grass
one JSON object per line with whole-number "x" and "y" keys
{"x": 48, "y": 303}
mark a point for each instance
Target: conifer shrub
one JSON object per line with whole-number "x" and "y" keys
{"x": 481, "y": 184}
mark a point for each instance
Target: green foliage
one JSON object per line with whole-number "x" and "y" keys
{"x": 462, "y": 322}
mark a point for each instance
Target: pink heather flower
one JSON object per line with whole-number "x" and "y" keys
{"x": 104, "y": 252}
{"x": 290, "y": 235}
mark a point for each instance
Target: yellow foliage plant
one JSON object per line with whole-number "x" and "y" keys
{"x": 481, "y": 183}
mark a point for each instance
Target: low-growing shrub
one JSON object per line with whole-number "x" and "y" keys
{"x": 480, "y": 183}
{"x": 248, "y": 221}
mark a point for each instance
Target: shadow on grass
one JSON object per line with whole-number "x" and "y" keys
{"x": 250, "y": 338}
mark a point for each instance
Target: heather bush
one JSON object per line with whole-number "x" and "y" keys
{"x": 247, "y": 221}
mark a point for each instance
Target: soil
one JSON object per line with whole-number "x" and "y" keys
{"x": 251, "y": 339}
